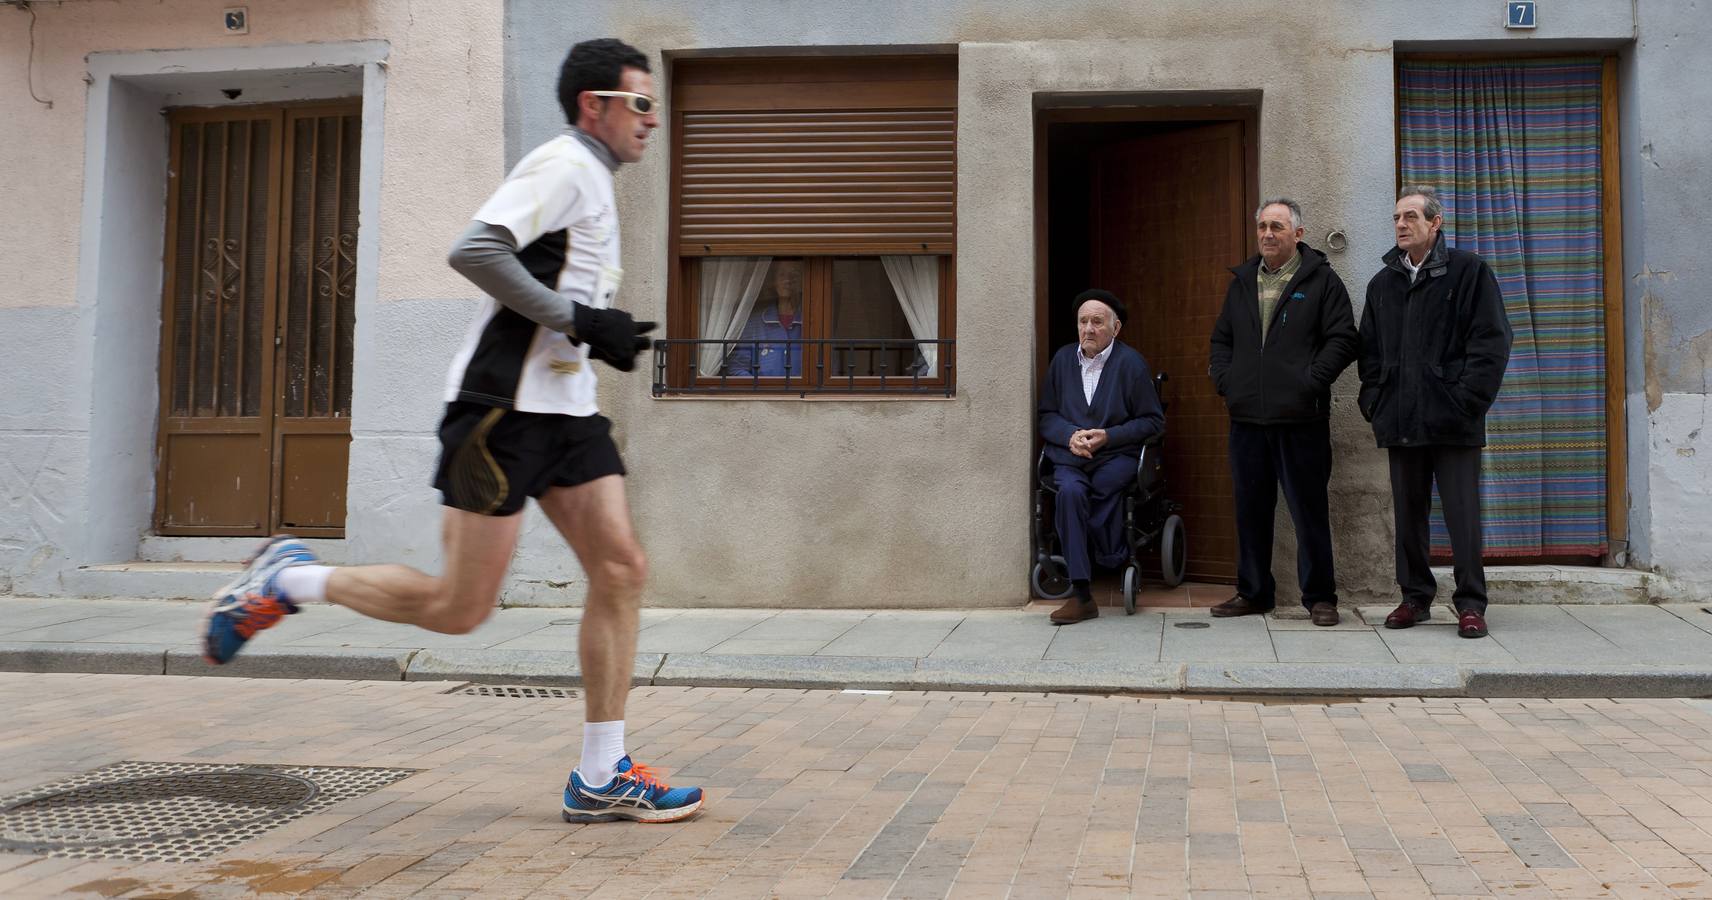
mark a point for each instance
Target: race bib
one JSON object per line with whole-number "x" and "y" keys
{"x": 606, "y": 286}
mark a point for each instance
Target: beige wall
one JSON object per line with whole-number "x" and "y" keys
{"x": 80, "y": 275}
{"x": 926, "y": 503}
{"x": 443, "y": 121}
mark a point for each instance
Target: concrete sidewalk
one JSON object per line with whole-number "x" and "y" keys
{"x": 1534, "y": 650}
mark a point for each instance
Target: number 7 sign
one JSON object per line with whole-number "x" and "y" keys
{"x": 1519, "y": 14}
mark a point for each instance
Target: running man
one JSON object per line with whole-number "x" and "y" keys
{"x": 521, "y": 422}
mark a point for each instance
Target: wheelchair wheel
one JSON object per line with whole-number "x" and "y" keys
{"x": 1050, "y": 580}
{"x": 1173, "y": 551}
{"x": 1131, "y": 578}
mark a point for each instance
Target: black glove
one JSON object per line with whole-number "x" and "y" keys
{"x": 613, "y": 336}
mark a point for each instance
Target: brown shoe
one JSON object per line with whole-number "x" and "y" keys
{"x": 1470, "y": 624}
{"x": 1408, "y": 615}
{"x": 1323, "y": 613}
{"x": 1074, "y": 611}
{"x": 1238, "y": 606}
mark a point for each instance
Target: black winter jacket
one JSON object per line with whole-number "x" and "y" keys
{"x": 1310, "y": 341}
{"x": 1433, "y": 352}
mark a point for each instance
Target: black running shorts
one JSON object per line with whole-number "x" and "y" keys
{"x": 492, "y": 459}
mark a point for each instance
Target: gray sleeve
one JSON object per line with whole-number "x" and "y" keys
{"x": 487, "y": 256}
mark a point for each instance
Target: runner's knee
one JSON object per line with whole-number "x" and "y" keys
{"x": 450, "y": 614}
{"x": 624, "y": 571}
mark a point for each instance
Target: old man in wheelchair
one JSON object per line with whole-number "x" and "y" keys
{"x": 1101, "y": 423}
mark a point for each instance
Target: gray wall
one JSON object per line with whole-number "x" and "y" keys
{"x": 924, "y": 503}
{"x": 1667, "y": 186}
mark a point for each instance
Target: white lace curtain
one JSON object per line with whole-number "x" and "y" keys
{"x": 729, "y": 287}
{"x": 915, "y": 279}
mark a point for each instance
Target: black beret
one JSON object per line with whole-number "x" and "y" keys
{"x": 1108, "y": 298}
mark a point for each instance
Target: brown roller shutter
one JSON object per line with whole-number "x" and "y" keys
{"x": 802, "y": 156}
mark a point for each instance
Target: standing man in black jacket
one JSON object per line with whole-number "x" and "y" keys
{"x": 1434, "y": 345}
{"x": 1284, "y": 335}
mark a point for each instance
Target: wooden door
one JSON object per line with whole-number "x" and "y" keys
{"x": 1169, "y": 219}
{"x": 257, "y": 321}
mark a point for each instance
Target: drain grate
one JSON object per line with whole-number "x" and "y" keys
{"x": 175, "y": 812}
{"x": 515, "y": 691}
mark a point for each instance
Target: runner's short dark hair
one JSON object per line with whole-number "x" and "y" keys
{"x": 596, "y": 65}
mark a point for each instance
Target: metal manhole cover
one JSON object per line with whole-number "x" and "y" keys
{"x": 173, "y": 811}
{"x": 516, "y": 692}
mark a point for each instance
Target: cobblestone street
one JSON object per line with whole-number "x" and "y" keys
{"x": 906, "y": 794}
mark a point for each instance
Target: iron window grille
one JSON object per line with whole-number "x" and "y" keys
{"x": 830, "y": 366}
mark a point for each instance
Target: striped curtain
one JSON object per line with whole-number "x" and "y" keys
{"x": 1513, "y": 149}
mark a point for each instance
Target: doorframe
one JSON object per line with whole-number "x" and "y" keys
{"x": 123, "y": 226}
{"x": 1083, "y": 107}
{"x": 1056, "y": 108}
{"x": 1617, "y": 498}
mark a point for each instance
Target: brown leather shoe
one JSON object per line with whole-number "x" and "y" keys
{"x": 1074, "y": 611}
{"x": 1238, "y": 606}
{"x": 1470, "y": 624}
{"x": 1323, "y": 613}
{"x": 1408, "y": 615}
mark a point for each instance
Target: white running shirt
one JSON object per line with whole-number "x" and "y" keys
{"x": 558, "y": 205}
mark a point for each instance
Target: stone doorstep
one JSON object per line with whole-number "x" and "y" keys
{"x": 1587, "y": 585}
{"x": 223, "y": 550}
{"x": 146, "y": 580}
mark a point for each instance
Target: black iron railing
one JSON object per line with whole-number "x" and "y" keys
{"x": 808, "y": 366}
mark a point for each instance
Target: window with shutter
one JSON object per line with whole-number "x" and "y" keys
{"x": 813, "y": 226}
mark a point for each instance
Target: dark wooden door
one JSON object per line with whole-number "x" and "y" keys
{"x": 1169, "y": 220}
{"x": 257, "y": 321}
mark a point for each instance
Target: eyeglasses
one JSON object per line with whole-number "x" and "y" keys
{"x": 640, "y": 104}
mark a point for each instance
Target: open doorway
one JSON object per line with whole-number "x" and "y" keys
{"x": 1152, "y": 203}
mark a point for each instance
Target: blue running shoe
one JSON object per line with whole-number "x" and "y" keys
{"x": 252, "y": 602}
{"x": 636, "y": 794}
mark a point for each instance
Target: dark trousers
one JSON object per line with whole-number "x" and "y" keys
{"x": 1299, "y": 457}
{"x": 1457, "y": 471}
{"x": 1088, "y": 513}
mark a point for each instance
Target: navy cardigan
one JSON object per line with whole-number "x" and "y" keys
{"x": 1125, "y": 405}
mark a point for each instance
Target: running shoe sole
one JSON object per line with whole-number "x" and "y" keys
{"x": 631, "y": 814}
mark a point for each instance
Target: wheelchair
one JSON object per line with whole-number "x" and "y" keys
{"x": 1150, "y": 522}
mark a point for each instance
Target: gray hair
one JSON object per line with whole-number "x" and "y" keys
{"x": 1429, "y": 196}
{"x": 1295, "y": 210}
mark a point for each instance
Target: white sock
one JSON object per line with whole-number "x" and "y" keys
{"x": 304, "y": 584}
{"x": 603, "y": 747}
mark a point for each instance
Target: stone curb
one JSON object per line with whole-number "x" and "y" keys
{"x": 879, "y": 673}
{"x": 818, "y": 672}
{"x": 83, "y": 658}
{"x": 1101, "y": 676}
{"x": 1355, "y": 680}
{"x": 548, "y": 667}
{"x": 1589, "y": 681}
{"x": 344, "y": 663}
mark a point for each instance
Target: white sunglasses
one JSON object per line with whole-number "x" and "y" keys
{"x": 640, "y": 104}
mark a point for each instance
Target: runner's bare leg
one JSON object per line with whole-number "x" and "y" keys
{"x": 477, "y": 550}
{"x": 594, "y": 519}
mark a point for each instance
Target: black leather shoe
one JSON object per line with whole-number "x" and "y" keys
{"x": 1470, "y": 624}
{"x": 1408, "y": 615}
{"x": 1239, "y": 606}
{"x": 1323, "y": 613}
